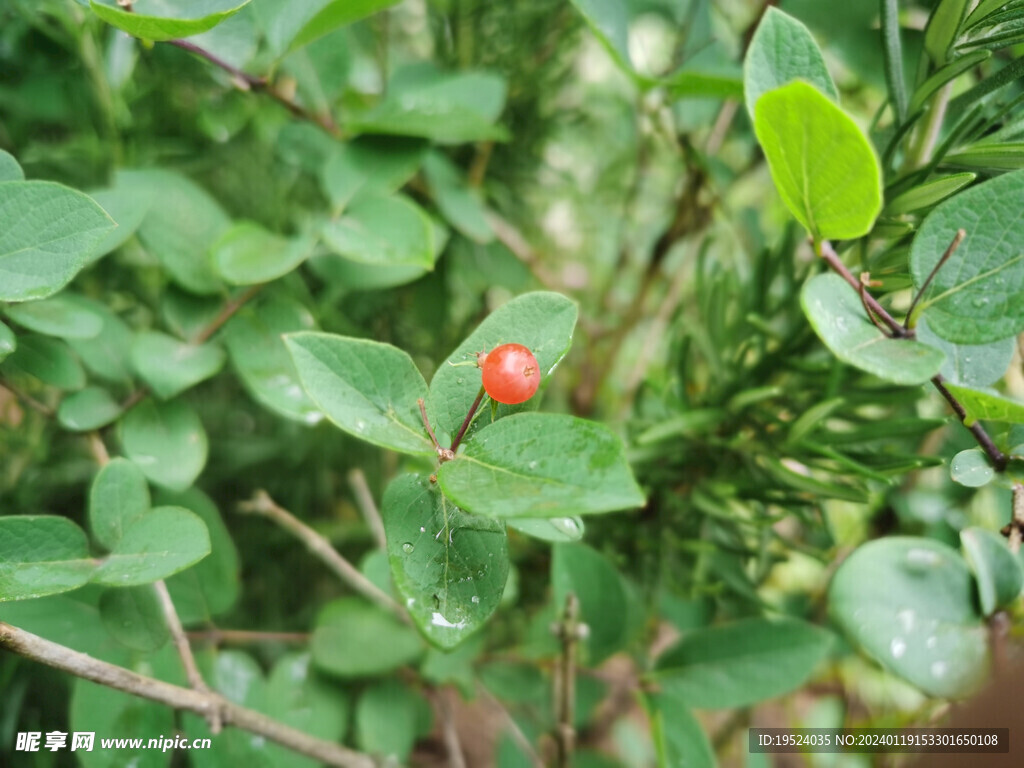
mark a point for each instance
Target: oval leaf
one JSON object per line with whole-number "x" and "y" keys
{"x": 135, "y": 618}
{"x": 149, "y": 19}
{"x": 909, "y": 604}
{"x": 541, "y": 465}
{"x": 971, "y": 468}
{"x": 119, "y": 496}
{"x": 970, "y": 365}
{"x": 997, "y": 572}
{"x": 167, "y": 441}
{"x": 586, "y": 573}
{"x": 348, "y": 640}
{"x": 990, "y": 405}
{"x": 49, "y": 360}
{"x": 383, "y": 231}
{"x": 62, "y": 316}
{"x": 821, "y": 163}
{"x": 248, "y": 254}
{"x": 550, "y": 529}
{"x": 170, "y": 366}
{"x": 88, "y": 409}
{"x": 162, "y": 542}
{"x": 41, "y": 555}
{"x": 450, "y": 567}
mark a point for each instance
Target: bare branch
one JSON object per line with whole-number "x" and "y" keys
{"x": 366, "y": 504}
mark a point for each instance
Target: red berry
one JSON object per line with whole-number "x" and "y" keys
{"x": 510, "y": 373}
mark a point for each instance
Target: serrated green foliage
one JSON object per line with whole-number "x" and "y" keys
{"x": 167, "y": 441}
{"x": 261, "y": 359}
{"x": 987, "y": 404}
{"x": 970, "y": 365}
{"x": 41, "y": 555}
{"x": 389, "y": 718}
{"x": 550, "y": 529}
{"x": 586, "y": 573}
{"x": 741, "y": 663}
{"x": 996, "y": 571}
{"x": 909, "y": 603}
{"x": 347, "y": 640}
{"x": 134, "y": 617}
{"x": 543, "y": 322}
{"x": 170, "y": 366}
{"x": 821, "y": 163}
{"x": 88, "y": 409}
{"x": 62, "y": 316}
{"x": 118, "y": 497}
{"x": 248, "y": 254}
{"x": 162, "y": 542}
{"x": 450, "y": 568}
{"x": 782, "y": 50}
{"x": 541, "y": 465}
{"x": 366, "y": 388}
{"x": 46, "y": 232}
{"x": 971, "y": 468}
{"x": 47, "y": 359}
{"x": 382, "y": 231}
{"x": 149, "y": 19}
{"x": 840, "y": 320}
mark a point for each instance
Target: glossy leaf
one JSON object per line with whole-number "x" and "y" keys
{"x": 88, "y": 409}
{"x": 366, "y": 388}
{"x": 46, "y": 233}
{"x": 996, "y": 570}
{"x": 167, "y": 441}
{"x": 159, "y": 544}
{"x": 782, "y": 50}
{"x": 261, "y": 359}
{"x": 928, "y": 194}
{"x": 541, "y": 321}
{"x": 383, "y": 231}
{"x": 62, "y": 316}
{"x": 170, "y": 366}
{"x": 541, "y": 465}
{"x": 118, "y": 497}
{"x": 580, "y": 570}
{"x": 377, "y": 165}
{"x": 821, "y": 163}
{"x": 347, "y": 640}
{"x": 289, "y": 26}
{"x": 840, "y": 320}
{"x": 971, "y": 468}
{"x": 987, "y": 404}
{"x": 248, "y": 254}
{"x": 47, "y": 359}
{"x": 41, "y": 555}
{"x": 550, "y": 529}
{"x": 461, "y": 205}
{"x": 741, "y": 663}
{"x": 449, "y": 567}
{"x": 135, "y": 618}
{"x": 909, "y": 603}
{"x": 976, "y": 297}
{"x": 970, "y": 365}
{"x": 150, "y": 20}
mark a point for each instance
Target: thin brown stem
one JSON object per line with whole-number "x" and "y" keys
{"x": 245, "y": 637}
{"x": 513, "y": 728}
{"x": 1017, "y": 523}
{"x": 98, "y": 448}
{"x": 28, "y": 400}
{"x": 569, "y": 631}
{"x": 468, "y": 420}
{"x": 451, "y": 735}
{"x": 833, "y": 260}
{"x": 426, "y": 425}
{"x": 367, "y": 506}
{"x": 226, "y": 313}
{"x": 59, "y": 657}
{"x": 262, "y": 504}
{"x": 957, "y": 239}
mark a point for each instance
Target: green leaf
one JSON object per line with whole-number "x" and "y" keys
{"x": 1003, "y": 156}
{"x": 46, "y": 233}
{"x": 388, "y": 720}
{"x": 461, "y": 205}
{"x": 63, "y": 316}
{"x": 134, "y": 617}
{"x": 41, "y": 555}
{"x": 366, "y": 388}
{"x": 99, "y": 709}
{"x": 987, "y": 404}
{"x": 541, "y": 465}
{"x": 449, "y": 567}
{"x": 88, "y": 409}
{"x": 1011, "y": 72}
{"x": 609, "y": 19}
{"x": 741, "y": 663}
{"x": 182, "y": 228}
{"x": 107, "y": 355}
{"x": 928, "y": 194}
{"x": 983, "y": 10}
{"x": 550, "y": 529}
{"x": 782, "y": 50}
{"x": 378, "y": 165}
{"x": 162, "y": 542}
{"x": 840, "y": 320}
{"x": 118, "y": 497}
{"x": 49, "y": 360}
{"x": 997, "y": 572}
{"x": 389, "y": 230}
{"x": 167, "y": 441}
{"x": 347, "y": 640}
{"x": 455, "y": 666}
{"x": 909, "y": 603}
{"x": 212, "y": 585}
{"x": 9, "y": 168}
{"x": 170, "y": 366}
{"x": 448, "y": 108}
{"x": 260, "y": 357}
{"x": 248, "y": 254}
{"x": 970, "y": 365}
{"x": 127, "y": 202}
{"x": 892, "y": 53}
{"x": 971, "y": 468}
{"x": 678, "y": 736}
{"x": 8, "y": 342}
{"x": 288, "y": 26}
{"x": 541, "y": 321}
{"x": 945, "y": 73}
{"x": 578, "y": 569}
{"x": 704, "y": 85}
{"x": 821, "y": 163}
{"x": 154, "y": 20}
{"x": 942, "y": 28}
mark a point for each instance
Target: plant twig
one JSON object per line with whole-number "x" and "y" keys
{"x": 51, "y": 654}
{"x": 262, "y": 504}
{"x": 27, "y": 399}
{"x": 245, "y": 636}
{"x": 467, "y": 421}
{"x": 957, "y": 239}
{"x": 451, "y": 736}
{"x": 426, "y": 425}
{"x": 513, "y": 728}
{"x": 232, "y": 306}
{"x": 569, "y": 631}
{"x": 366, "y": 504}
{"x": 1016, "y": 526}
